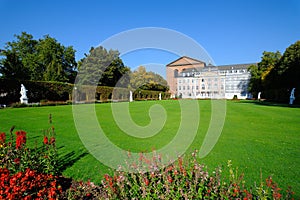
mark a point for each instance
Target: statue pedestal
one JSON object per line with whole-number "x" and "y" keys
{"x": 24, "y": 100}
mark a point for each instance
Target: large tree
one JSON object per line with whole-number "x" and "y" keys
{"x": 288, "y": 67}
{"x": 275, "y": 75}
{"x": 260, "y": 71}
{"x": 142, "y": 79}
{"x": 18, "y": 57}
{"x": 103, "y": 67}
{"x": 56, "y": 62}
{"x": 39, "y": 60}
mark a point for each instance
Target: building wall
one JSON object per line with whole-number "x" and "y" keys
{"x": 209, "y": 81}
{"x": 178, "y": 66}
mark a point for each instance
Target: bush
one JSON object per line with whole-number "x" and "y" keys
{"x": 43, "y": 92}
{"x": 17, "y": 157}
{"x": 185, "y": 180}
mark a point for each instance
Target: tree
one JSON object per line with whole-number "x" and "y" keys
{"x": 260, "y": 71}
{"x": 288, "y": 68}
{"x": 102, "y": 67}
{"x": 142, "y": 79}
{"x": 18, "y": 57}
{"x": 39, "y": 60}
{"x": 55, "y": 62}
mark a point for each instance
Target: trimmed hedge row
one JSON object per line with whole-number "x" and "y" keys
{"x": 104, "y": 93}
{"x": 56, "y": 91}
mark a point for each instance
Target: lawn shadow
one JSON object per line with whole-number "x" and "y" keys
{"x": 269, "y": 103}
{"x": 67, "y": 160}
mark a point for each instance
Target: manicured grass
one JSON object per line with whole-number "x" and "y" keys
{"x": 255, "y": 137}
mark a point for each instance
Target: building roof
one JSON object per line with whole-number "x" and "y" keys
{"x": 236, "y": 66}
{"x": 185, "y": 60}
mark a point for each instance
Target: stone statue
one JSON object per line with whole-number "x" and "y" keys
{"x": 292, "y": 97}
{"x": 23, "y": 93}
{"x": 258, "y": 97}
{"x": 159, "y": 97}
{"x": 130, "y": 96}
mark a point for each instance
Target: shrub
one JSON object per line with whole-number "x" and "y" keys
{"x": 185, "y": 180}
{"x": 17, "y": 157}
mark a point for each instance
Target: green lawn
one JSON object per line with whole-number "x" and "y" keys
{"x": 255, "y": 137}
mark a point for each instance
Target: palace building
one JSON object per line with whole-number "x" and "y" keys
{"x": 191, "y": 78}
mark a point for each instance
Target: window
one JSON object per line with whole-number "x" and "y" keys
{"x": 197, "y": 87}
{"x": 203, "y": 87}
{"x": 188, "y": 87}
{"x": 179, "y": 81}
{"x": 183, "y": 87}
{"x": 179, "y": 88}
{"x": 202, "y": 80}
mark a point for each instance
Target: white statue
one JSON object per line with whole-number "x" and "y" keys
{"x": 130, "y": 96}
{"x": 23, "y": 97}
{"x": 159, "y": 97}
{"x": 259, "y": 95}
{"x": 292, "y": 97}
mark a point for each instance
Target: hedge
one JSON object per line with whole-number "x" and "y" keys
{"x": 281, "y": 95}
{"x": 56, "y": 91}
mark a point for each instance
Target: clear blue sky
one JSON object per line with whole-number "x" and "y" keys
{"x": 231, "y": 31}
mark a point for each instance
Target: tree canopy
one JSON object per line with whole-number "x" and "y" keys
{"x": 102, "y": 67}
{"x": 260, "y": 71}
{"x": 142, "y": 79}
{"x": 38, "y": 60}
{"x": 46, "y": 59}
{"x": 275, "y": 75}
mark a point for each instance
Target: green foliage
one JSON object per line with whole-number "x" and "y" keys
{"x": 144, "y": 80}
{"x": 17, "y": 157}
{"x": 37, "y": 90}
{"x": 276, "y": 75}
{"x": 260, "y": 71}
{"x": 287, "y": 71}
{"x": 102, "y": 67}
{"x": 186, "y": 179}
{"x": 39, "y": 60}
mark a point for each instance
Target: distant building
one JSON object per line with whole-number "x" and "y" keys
{"x": 192, "y": 78}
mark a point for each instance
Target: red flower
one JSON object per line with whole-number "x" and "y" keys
{"x": 2, "y": 138}
{"x": 21, "y": 139}
{"x": 17, "y": 161}
{"x": 170, "y": 179}
{"x": 52, "y": 140}
{"x": 269, "y": 181}
{"x": 146, "y": 181}
{"x": 45, "y": 140}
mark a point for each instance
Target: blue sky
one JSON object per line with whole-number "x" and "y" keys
{"x": 231, "y": 31}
